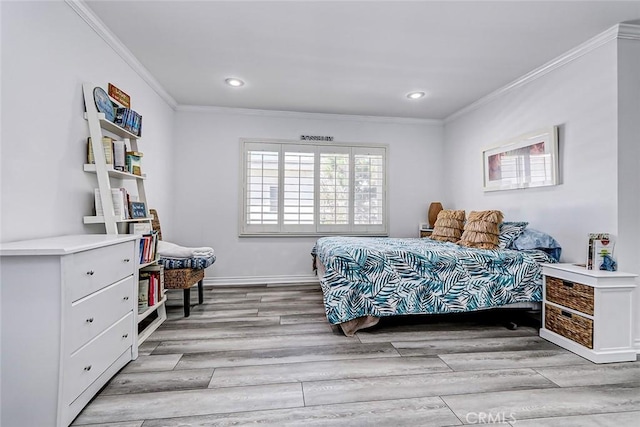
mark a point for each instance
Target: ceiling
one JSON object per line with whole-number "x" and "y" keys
{"x": 351, "y": 57}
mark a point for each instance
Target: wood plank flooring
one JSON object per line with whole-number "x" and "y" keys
{"x": 266, "y": 355}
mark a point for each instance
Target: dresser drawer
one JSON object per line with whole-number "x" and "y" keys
{"x": 570, "y": 294}
{"x": 93, "y": 314}
{"x": 570, "y": 325}
{"x": 92, "y": 270}
{"x": 91, "y": 361}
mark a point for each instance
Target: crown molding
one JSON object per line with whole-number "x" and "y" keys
{"x": 619, "y": 31}
{"x": 310, "y": 116}
{"x": 622, "y": 31}
{"x": 80, "y": 7}
{"x": 629, "y": 31}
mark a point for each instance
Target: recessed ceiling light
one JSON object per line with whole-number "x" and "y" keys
{"x": 234, "y": 82}
{"x": 415, "y": 95}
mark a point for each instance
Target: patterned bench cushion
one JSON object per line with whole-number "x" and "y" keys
{"x": 195, "y": 263}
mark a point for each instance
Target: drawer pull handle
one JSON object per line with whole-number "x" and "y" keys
{"x": 90, "y": 320}
{"x": 90, "y": 273}
{"x": 87, "y": 368}
{"x": 125, "y": 336}
{"x": 565, "y": 314}
{"x": 126, "y": 260}
{"x": 126, "y": 298}
{"x": 567, "y": 284}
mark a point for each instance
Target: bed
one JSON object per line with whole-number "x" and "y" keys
{"x": 366, "y": 278}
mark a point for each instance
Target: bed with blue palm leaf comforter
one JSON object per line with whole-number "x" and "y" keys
{"x": 365, "y": 278}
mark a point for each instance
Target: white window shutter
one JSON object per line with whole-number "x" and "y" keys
{"x": 334, "y": 190}
{"x": 369, "y": 193}
{"x": 298, "y": 189}
{"x": 313, "y": 189}
{"x": 261, "y": 187}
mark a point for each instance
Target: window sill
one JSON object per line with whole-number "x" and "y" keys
{"x": 381, "y": 234}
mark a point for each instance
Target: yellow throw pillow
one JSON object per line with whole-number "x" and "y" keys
{"x": 448, "y": 226}
{"x": 482, "y": 230}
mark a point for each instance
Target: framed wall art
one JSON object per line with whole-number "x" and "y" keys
{"x": 530, "y": 160}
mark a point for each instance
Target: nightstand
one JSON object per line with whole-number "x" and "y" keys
{"x": 589, "y": 312}
{"x": 425, "y": 232}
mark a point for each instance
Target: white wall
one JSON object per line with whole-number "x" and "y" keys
{"x": 627, "y": 248}
{"x": 48, "y": 51}
{"x": 579, "y": 97}
{"x": 207, "y": 179}
{"x": 595, "y": 100}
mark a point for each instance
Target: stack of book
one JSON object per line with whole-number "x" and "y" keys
{"x": 114, "y": 153}
{"x": 150, "y": 287}
{"x": 133, "y": 162}
{"x": 120, "y": 198}
{"x": 129, "y": 119}
{"x": 148, "y": 247}
{"x": 140, "y": 228}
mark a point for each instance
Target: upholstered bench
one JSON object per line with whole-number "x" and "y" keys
{"x": 183, "y": 273}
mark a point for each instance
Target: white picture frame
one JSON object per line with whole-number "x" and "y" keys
{"x": 529, "y": 160}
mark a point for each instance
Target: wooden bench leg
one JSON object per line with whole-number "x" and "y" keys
{"x": 200, "y": 291}
{"x": 187, "y": 301}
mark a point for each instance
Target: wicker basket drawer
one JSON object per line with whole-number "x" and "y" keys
{"x": 570, "y": 294}
{"x": 569, "y": 325}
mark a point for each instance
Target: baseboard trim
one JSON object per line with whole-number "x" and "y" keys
{"x": 261, "y": 280}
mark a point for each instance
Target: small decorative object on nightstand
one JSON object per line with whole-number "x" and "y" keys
{"x": 589, "y": 312}
{"x": 432, "y": 215}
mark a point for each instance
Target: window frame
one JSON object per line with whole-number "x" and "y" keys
{"x": 315, "y": 230}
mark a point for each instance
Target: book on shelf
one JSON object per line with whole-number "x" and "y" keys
{"x": 591, "y": 250}
{"x": 119, "y": 197}
{"x": 133, "y": 162}
{"x": 129, "y": 120}
{"x": 152, "y": 277}
{"x": 143, "y": 294}
{"x": 157, "y": 272}
{"x": 152, "y": 292}
{"x": 119, "y": 155}
{"x": 148, "y": 247}
{"x": 107, "y": 144}
{"x": 139, "y": 228}
{"x": 160, "y": 275}
{"x": 601, "y": 248}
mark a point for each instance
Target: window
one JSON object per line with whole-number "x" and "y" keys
{"x": 299, "y": 189}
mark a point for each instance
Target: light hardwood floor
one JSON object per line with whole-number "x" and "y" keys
{"x": 266, "y": 355}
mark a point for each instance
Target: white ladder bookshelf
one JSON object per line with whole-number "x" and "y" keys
{"x": 100, "y": 126}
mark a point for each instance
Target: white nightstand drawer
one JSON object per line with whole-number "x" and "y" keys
{"x": 570, "y": 294}
{"x": 92, "y": 270}
{"x": 93, "y": 314}
{"x": 92, "y": 360}
{"x": 570, "y": 325}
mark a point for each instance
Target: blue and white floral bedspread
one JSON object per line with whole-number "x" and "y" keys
{"x": 377, "y": 276}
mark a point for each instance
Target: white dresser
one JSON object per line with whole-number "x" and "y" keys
{"x": 68, "y": 323}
